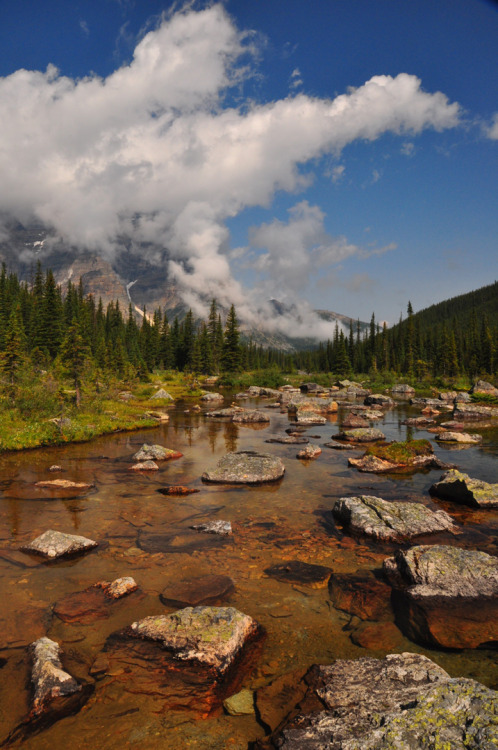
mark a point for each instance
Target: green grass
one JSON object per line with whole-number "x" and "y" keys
{"x": 401, "y": 452}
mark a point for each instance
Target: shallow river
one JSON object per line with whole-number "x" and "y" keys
{"x": 289, "y": 520}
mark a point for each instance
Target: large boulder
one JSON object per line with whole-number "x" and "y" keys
{"x": 390, "y": 521}
{"x": 458, "y": 487}
{"x": 482, "y": 386}
{"x": 446, "y": 597}
{"x": 379, "y": 399}
{"x": 302, "y": 404}
{"x": 402, "y": 702}
{"x": 361, "y": 435}
{"x": 245, "y": 467}
{"x": 475, "y": 412}
{"x": 250, "y": 416}
{"x": 54, "y": 544}
{"x": 354, "y": 420}
{"x": 207, "y": 635}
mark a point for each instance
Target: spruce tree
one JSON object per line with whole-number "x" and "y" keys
{"x": 231, "y": 358}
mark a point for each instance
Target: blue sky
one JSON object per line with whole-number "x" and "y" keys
{"x": 398, "y": 201}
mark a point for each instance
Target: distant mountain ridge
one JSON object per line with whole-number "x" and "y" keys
{"x": 129, "y": 278}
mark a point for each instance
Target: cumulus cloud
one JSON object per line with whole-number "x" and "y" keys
{"x": 492, "y": 130}
{"x": 155, "y": 153}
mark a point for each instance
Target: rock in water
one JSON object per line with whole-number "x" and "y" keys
{"x": 291, "y": 440}
{"x": 212, "y": 397}
{"x": 177, "y": 489}
{"x": 448, "y": 597}
{"x": 209, "y": 635}
{"x": 51, "y": 684}
{"x": 155, "y": 453}
{"x": 310, "y": 452}
{"x": 353, "y": 421}
{"x": 204, "y": 590}
{"x": 295, "y": 571}
{"x": 458, "y": 437}
{"x": 390, "y": 521}
{"x": 53, "y": 544}
{"x": 474, "y": 411}
{"x": 63, "y": 484}
{"x": 402, "y": 702}
{"x": 378, "y": 399}
{"x": 145, "y": 466}
{"x": 361, "y": 435}
{"x": 250, "y": 416}
{"x": 246, "y": 467}
{"x": 460, "y": 488}
{"x": 360, "y": 594}
{"x": 119, "y": 587}
{"x": 223, "y": 528}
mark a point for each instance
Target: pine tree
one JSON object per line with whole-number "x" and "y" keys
{"x": 15, "y": 342}
{"x": 74, "y": 355}
{"x": 231, "y": 358}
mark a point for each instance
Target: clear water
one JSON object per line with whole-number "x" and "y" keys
{"x": 290, "y": 520}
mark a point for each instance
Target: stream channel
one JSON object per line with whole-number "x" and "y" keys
{"x": 144, "y": 534}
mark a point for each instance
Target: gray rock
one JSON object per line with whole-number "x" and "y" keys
{"x": 482, "y": 386}
{"x": 246, "y": 467}
{"x": 303, "y": 404}
{"x": 434, "y": 402}
{"x": 379, "y": 399}
{"x": 208, "y": 397}
{"x": 475, "y": 411}
{"x": 372, "y": 465}
{"x": 462, "y": 397}
{"x": 447, "y": 396}
{"x": 49, "y": 680}
{"x": 447, "y": 597}
{"x": 145, "y": 466}
{"x": 223, "y": 528}
{"x": 229, "y": 412}
{"x": 361, "y": 435}
{"x": 161, "y": 393}
{"x": 209, "y": 635}
{"x": 155, "y": 453}
{"x": 390, "y": 521}
{"x": 311, "y": 388}
{"x": 339, "y": 446}
{"x": 418, "y": 421}
{"x": 291, "y": 440}
{"x": 402, "y": 702}
{"x": 257, "y": 390}
{"x": 53, "y": 544}
{"x": 458, "y": 437}
{"x": 310, "y": 452}
{"x": 353, "y": 421}
{"x": 250, "y": 416}
{"x": 402, "y": 388}
{"x": 309, "y": 418}
{"x": 460, "y": 488}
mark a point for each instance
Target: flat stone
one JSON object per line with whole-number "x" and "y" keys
{"x": 390, "y": 521}
{"x": 309, "y": 453}
{"x": 54, "y": 544}
{"x": 48, "y": 678}
{"x": 294, "y": 571}
{"x": 418, "y": 421}
{"x": 475, "y": 411}
{"x": 460, "y": 488}
{"x": 209, "y": 635}
{"x": 447, "y": 597}
{"x": 435, "y": 403}
{"x": 223, "y": 528}
{"x": 361, "y": 435}
{"x": 63, "y": 484}
{"x": 291, "y": 440}
{"x": 458, "y": 437}
{"x": 155, "y": 453}
{"x": 228, "y": 413}
{"x": 309, "y": 418}
{"x": 339, "y": 446}
{"x": 240, "y": 704}
{"x": 145, "y": 466}
{"x": 205, "y": 590}
{"x": 354, "y": 420}
{"x": 246, "y": 467}
{"x": 250, "y": 416}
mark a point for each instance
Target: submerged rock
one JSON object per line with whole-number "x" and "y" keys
{"x": 361, "y": 435}
{"x": 360, "y": 594}
{"x": 223, "y": 528}
{"x": 204, "y": 590}
{"x": 448, "y": 597}
{"x": 295, "y": 571}
{"x": 209, "y": 635}
{"x": 458, "y": 437}
{"x": 291, "y": 440}
{"x": 155, "y": 453}
{"x": 310, "y": 452}
{"x": 54, "y": 544}
{"x": 339, "y": 446}
{"x": 246, "y": 467}
{"x": 177, "y": 489}
{"x": 390, "y": 521}
{"x": 460, "y": 488}
{"x": 94, "y": 602}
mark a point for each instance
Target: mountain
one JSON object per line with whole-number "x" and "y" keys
{"x": 130, "y": 278}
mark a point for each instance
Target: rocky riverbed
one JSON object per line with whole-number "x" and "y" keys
{"x": 229, "y": 591}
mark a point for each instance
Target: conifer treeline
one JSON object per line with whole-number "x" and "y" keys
{"x": 40, "y": 321}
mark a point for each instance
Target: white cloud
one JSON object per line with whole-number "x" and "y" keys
{"x": 492, "y": 130}
{"x": 84, "y": 27}
{"x": 154, "y": 152}
{"x": 296, "y": 79}
{"x": 338, "y": 173}
{"x": 408, "y": 148}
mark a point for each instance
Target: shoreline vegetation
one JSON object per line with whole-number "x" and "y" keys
{"x": 71, "y": 370}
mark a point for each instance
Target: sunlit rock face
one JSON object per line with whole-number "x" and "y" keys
{"x": 445, "y": 596}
